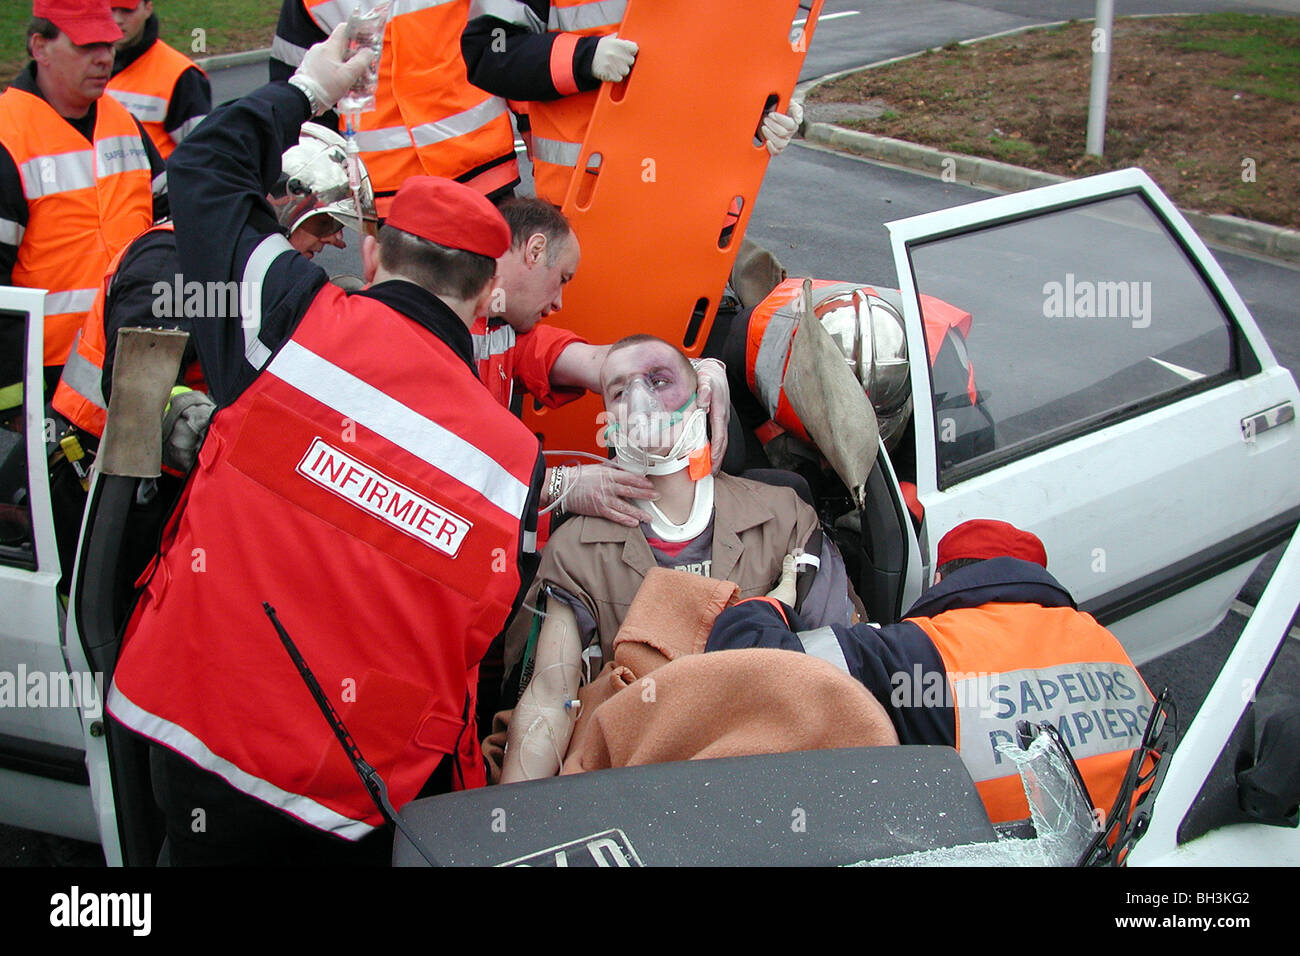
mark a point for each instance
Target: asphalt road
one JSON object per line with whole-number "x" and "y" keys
{"x": 823, "y": 215}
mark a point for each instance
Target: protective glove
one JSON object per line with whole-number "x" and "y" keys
{"x": 185, "y": 425}
{"x": 785, "y": 590}
{"x": 778, "y": 128}
{"x": 613, "y": 59}
{"x": 324, "y": 75}
{"x": 606, "y": 491}
{"x": 714, "y": 394}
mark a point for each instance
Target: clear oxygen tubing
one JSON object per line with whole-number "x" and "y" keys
{"x": 571, "y": 454}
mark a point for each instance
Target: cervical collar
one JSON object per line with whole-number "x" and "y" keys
{"x": 696, "y": 521}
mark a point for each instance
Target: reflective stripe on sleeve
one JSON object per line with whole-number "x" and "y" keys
{"x": 255, "y": 270}
{"x": 286, "y": 52}
{"x": 366, "y": 405}
{"x": 180, "y": 132}
{"x": 11, "y": 232}
{"x": 497, "y": 341}
{"x": 773, "y": 354}
{"x": 822, "y": 643}
{"x": 330, "y": 13}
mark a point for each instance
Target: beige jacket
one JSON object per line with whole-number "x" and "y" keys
{"x": 603, "y": 564}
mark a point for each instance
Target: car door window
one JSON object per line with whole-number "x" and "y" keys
{"x": 1079, "y": 317}
{"x": 16, "y": 545}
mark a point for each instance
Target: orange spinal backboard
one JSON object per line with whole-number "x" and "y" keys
{"x": 676, "y": 146}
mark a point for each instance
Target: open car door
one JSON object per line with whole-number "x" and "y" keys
{"x": 1111, "y": 357}
{"x": 43, "y": 696}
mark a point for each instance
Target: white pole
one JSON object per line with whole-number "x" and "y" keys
{"x": 1102, "y": 35}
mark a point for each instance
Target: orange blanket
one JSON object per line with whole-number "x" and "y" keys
{"x": 661, "y": 699}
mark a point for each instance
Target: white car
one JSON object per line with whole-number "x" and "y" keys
{"x": 1130, "y": 414}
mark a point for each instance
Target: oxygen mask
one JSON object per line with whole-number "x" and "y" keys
{"x": 650, "y": 440}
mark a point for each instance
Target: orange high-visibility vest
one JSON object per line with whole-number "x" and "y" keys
{"x": 560, "y": 126}
{"x": 145, "y": 88}
{"x": 1009, "y": 662}
{"x": 85, "y": 202}
{"x": 428, "y": 120}
{"x": 80, "y": 395}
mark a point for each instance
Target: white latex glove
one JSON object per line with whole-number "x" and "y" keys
{"x": 715, "y": 395}
{"x": 606, "y": 491}
{"x": 325, "y": 75}
{"x": 613, "y": 59}
{"x": 778, "y": 128}
{"x": 785, "y": 588}
{"x": 185, "y": 425}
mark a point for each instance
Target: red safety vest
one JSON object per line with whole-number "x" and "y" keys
{"x": 85, "y": 202}
{"x": 1010, "y": 662}
{"x": 560, "y": 126}
{"x": 145, "y": 88}
{"x": 428, "y": 120}
{"x": 367, "y": 488}
{"x": 80, "y": 395}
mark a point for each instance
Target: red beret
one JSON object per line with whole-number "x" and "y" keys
{"x": 84, "y": 21}
{"x": 983, "y": 538}
{"x": 450, "y": 214}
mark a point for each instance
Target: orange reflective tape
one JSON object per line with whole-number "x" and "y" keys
{"x": 562, "y": 51}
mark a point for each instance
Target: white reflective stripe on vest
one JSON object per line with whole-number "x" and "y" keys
{"x": 331, "y": 13}
{"x": 180, "y": 132}
{"x": 11, "y": 232}
{"x": 773, "y": 352}
{"x": 496, "y": 341}
{"x": 557, "y": 152}
{"x": 83, "y": 378}
{"x": 1098, "y": 707}
{"x": 401, "y": 7}
{"x": 185, "y": 743}
{"x": 587, "y": 16}
{"x": 147, "y": 109}
{"x": 121, "y": 154}
{"x": 65, "y": 172}
{"x": 366, "y": 405}
{"x": 255, "y": 270}
{"x": 286, "y": 52}
{"x": 377, "y": 140}
{"x": 458, "y": 124}
{"x": 511, "y": 11}
{"x": 72, "y": 300}
{"x": 822, "y": 643}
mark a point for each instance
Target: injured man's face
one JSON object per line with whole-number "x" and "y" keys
{"x": 649, "y": 390}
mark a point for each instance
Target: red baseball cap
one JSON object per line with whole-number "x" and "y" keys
{"x": 983, "y": 538}
{"x": 125, "y": 4}
{"x": 450, "y": 214}
{"x": 84, "y": 21}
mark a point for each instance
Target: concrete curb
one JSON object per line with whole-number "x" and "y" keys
{"x": 226, "y": 60}
{"x": 1216, "y": 229}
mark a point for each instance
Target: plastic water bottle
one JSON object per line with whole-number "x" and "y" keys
{"x": 365, "y": 30}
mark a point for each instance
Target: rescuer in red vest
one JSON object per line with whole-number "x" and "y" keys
{"x": 162, "y": 87}
{"x": 356, "y": 476}
{"x": 996, "y": 640}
